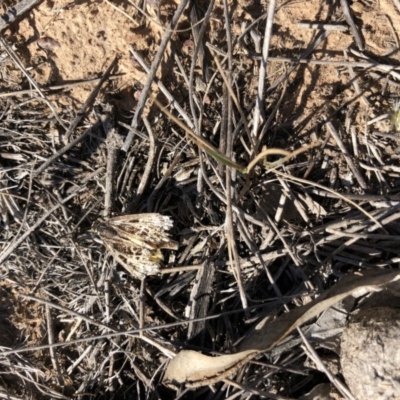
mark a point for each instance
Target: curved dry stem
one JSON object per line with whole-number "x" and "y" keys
{"x": 266, "y": 153}
{"x": 289, "y": 155}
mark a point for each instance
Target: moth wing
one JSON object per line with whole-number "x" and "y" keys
{"x": 135, "y": 241}
{"x": 153, "y": 219}
{"x": 137, "y": 261}
{"x": 143, "y": 262}
{"x": 150, "y": 227}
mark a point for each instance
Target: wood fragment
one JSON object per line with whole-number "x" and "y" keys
{"x": 53, "y": 354}
{"x": 349, "y": 19}
{"x": 16, "y": 12}
{"x": 114, "y": 142}
{"x": 322, "y": 26}
{"x": 200, "y": 299}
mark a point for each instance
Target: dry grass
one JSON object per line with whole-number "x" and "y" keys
{"x": 74, "y": 324}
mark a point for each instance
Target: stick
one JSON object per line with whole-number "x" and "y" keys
{"x": 154, "y": 67}
{"x": 90, "y": 99}
{"x": 353, "y": 28}
{"x": 75, "y": 123}
{"x": 13, "y": 13}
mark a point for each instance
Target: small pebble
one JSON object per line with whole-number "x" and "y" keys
{"x": 48, "y": 43}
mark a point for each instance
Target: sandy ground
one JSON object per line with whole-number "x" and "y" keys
{"x": 64, "y": 41}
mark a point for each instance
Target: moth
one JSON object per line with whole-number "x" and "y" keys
{"x": 136, "y": 240}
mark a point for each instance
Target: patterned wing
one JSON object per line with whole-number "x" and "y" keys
{"x": 150, "y": 228}
{"x": 135, "y": 241}
{"x": 139, "y": 262}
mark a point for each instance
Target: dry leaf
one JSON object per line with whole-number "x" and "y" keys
{"x": 194, "y": 369}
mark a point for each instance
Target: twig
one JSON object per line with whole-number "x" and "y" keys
{"x": 154, "y": 67}
{"x": 123, "y": 13}
{"x": 149, "y": 165}
{"x": 385, "y": 168}
{"x": 197, "y": 50}
{"x": 134, "y": 131}
{"x": 386, "y": 79}
{"x": 232, "y": 247}
{"x": 367, "y": 236}
{"x": 320, "y": 25}
{"x": 355, "y": 83}
{"x": 8, "y": 396}
{"x": 356, "y": 64}
{"x": 353, "y": 28}
{"x": 347, "y": 156}
{"x": 53, "y": 355}
{"x": 345, "y": 198}
{"x": 259, "y": 258}
{"x": 288, "y": 193}
{"x": 335, "y": 252}
{"x": 75, "y": 123}
{"x": 13, "y": 55}
{"x": 154, "y": 21}
{"x": 314, "y": 356}
{"x": 234, "y": 98}
{"x": 200, "y": 297}
{"x": 263, "y": 66}
{"x": 200, "y": 142}
{"x": 311, "y": 47}
{"x": 87, "y": 350}
{"x": 226, "y": 116}
{"x": 114, "y": 332}
{"x": 12, "y": 246}
{"x": 271, "y": 116}
{"x": 272, "y": 224}
{"x": 69, "y": 311}
{"x": 353, "y": 134}
{"x": 62, "y": 151}
{"x": 198, "y": 36}
{"x": 377, "y": 119}
{"x": 142, "y": 301}
{"x": 387, "y": 135}
{"x": 107, "y": 295}
{"x": 353, "y": 222}
{"x": 359, "y": 197}
{"x": 58, "y": 87}
{"x": 90, "y": 99}
{"x": 15, "y": 12}
{"x": 163, "y": 89}
{"x": 167, "y": 174}
{"x": 113, "y": 142}
{"x": 382, "y": 67}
